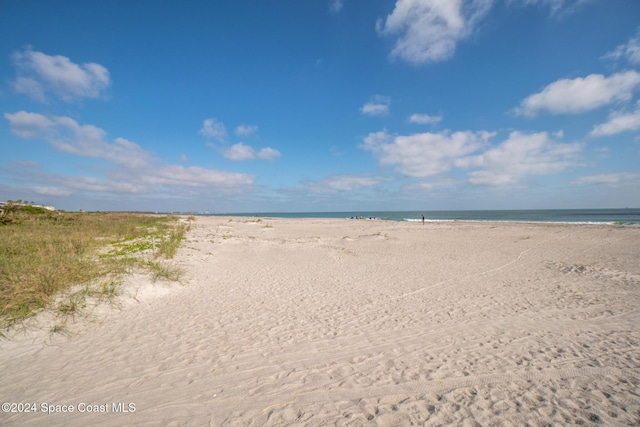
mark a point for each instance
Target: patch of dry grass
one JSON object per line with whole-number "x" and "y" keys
{"x": 43, "y": 254}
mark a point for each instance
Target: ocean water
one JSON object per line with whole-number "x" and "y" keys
{"x": 582, "y": 216}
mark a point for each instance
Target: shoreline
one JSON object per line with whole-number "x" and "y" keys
{"x": 626, "y": 216}
{"x": 313, "y": 321}
{"x": 426, "y": 221}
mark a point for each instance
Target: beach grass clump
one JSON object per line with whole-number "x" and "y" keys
{"x": 169, "y": 244}
{"x": 74, "y": 301}
{"x": 72, "y": 305}
{"x": 162, "y": 271}
{"x": 46, "y": 253}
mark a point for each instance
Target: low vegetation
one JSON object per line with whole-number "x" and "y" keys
{"x": 55, "y": 258}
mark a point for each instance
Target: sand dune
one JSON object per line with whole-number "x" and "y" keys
{"x": 346, "y": 322}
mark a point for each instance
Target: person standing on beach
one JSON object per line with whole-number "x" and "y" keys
{"x": 422, "y": 219}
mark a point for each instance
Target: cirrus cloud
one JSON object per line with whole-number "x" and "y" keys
{"x": 557, "y": 5}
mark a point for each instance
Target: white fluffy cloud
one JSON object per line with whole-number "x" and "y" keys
{"x": 135, "y": 169}
{"x": 268, "y": 153}
{"x": 371, "y": 109}
{"x": 428, "y": 30}
{"x": 578, "y": 95}
{"x": 618, "y": 122}
{"x": 519, "y": 156}
{"x": 424, "y": 119}
{"x": 28, "y": 125}
{"x": 241, "y": 151}
{"x": 377, "y": 106}
{"x": 424, "y": 154}
{"x": 508, "y": 163}
{"x": 213, "y": 129}
{"x": 39, "y": 74}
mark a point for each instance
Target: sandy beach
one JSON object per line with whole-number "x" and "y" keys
{"x": 353, "y": 322}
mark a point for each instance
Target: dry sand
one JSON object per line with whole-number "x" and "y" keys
{"x": 345, "y": 322}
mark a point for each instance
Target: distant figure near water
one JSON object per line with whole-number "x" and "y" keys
{"x": 422, "y": 219}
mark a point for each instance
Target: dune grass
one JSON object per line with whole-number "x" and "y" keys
{"x": 44, "y": 254}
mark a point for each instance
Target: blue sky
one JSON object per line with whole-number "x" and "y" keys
{"x": 320, "y": 105}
